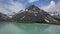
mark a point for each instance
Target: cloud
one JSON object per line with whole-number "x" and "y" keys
{"x": 13, "y": 7}
{"x": 30, "y": 1}
{"x": 2, "y": 10}
{"x": 16, "y": 7}
{"x": 52, "y": 7}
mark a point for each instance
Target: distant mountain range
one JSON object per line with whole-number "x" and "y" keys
{"x": 31, "y": 14}
{"x": 4, "y": 17}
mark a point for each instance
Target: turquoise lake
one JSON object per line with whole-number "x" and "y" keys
{"x": 35, "y": 28}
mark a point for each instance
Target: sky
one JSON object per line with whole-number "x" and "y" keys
{"x": 14, "y": 6}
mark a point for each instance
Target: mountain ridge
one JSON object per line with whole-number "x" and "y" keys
{"x": 34, "y": 14}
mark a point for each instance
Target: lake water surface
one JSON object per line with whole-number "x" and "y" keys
{"x": 19, "y": 28}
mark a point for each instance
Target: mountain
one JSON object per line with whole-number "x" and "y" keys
{"x": 33, "y": 14}
{"x": 4, "y": 17}
{"x": 57, "y": 17}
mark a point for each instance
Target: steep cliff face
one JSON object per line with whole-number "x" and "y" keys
{"x": 34, "y": 14}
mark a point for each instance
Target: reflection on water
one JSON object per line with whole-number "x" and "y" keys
{"x": 11, "y": 29}
{"x": 32, "y": 28}
{"x": 16, "y": 28}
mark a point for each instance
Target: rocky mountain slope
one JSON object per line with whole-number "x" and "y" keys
{"x": 33, "y": 14}
{"x": 4, "y": 17}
